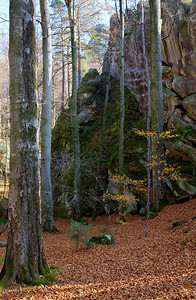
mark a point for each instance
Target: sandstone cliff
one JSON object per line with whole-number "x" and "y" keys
{"x": 178, "y": 57}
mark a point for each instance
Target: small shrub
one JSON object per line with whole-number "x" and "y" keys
{"x": 78, "y": 232}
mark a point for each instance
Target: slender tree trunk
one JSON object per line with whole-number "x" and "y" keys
{"x": 46, "y": 184}
{"x": 79, "y": 47}
{"x": 156, "y": 95}
{"x": 77, "y": 172}
{"x": 6, "y": 161}
{"x": 63, "y": 69}
{"x": 0, "y": 119}
{"x": 104, "y": 121}
{"x": 148, "y": 120}
{"x": 24, "y": 260}
{"x": 122, "y": 104}
{"x": 116, "y": 8}
{"x": 68, "y": 73}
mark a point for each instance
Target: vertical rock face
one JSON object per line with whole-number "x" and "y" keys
{"x": 178, "y": 56}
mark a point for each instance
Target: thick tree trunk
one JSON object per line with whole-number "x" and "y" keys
{"x": 156, "y": 95}
{"x": 77, "y": 172}
{"x": 46, "y": 185}
{"x": 25, "y": 259}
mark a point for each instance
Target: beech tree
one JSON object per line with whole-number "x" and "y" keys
{"x": 122, "y": 86}
{"x": 156, "y": 95}
{"x": 76, "y": 141}
{"x": 46, "y": 184}
{"x": 24, "y": 260}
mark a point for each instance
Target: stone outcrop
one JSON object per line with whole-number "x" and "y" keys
{"x": 189, "y": 104}
{"x": 178, "y": 55}
{"x": 178, "y": 71}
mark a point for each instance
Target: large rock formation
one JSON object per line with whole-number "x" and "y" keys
{"x": 178, "y": 55}
{"x": 179, "y": 63}
{"x": 179, "y": 72}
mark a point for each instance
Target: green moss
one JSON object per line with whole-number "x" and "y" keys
{"x": 90, "y": 75}
{"x": 47, "y": 278}
{"x": 103, "y": 239}
{"x": 62, "y": 133}
{"x": 86, "y": 89}
{"x": 183, "y": 23}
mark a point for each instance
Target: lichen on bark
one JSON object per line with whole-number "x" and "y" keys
{"x": 25, "y": 260}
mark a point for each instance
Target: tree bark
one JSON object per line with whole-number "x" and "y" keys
{"x": 122, "y": 85}
{"x": 24, "y": 260}
{"x": 156, "y": 95}
{"x": 63, "y": 68}
{"x": 68, "y": 73}
{"x": 46, "y": 184}
{"x": 148, "y": 120}
{"x": 76, "y": 141}
{"x": 79, "y": 47}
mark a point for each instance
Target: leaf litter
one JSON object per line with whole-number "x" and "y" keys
{"x": 159, "y": 266}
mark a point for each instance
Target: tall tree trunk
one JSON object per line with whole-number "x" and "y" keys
{"x": 24, "y": 260}
{"x": 122, "y": 105}
{"x": 77, "y": 172}
{"x": 79, "y": 47}
{"x": 46, "y": 185}
{"x": 156, "y": 95}
{"x": 104, "y": 122}
{"x": 122, "y": 84}
{"x": 63, "y": 68}
{"x": 68, "y": 73}
{"x": 148, "y": 119}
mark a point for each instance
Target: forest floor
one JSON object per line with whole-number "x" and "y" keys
{"x": 159, "y": 266}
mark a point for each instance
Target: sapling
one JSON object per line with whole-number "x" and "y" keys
{"x": 78, "y": 232}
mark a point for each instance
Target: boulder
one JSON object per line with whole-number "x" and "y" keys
{"x": 103, "y": 239}
{"x": 189, "y": 59}
{"x": 183, "y": 86}
{"x": 189, "y": 104}
{"x": 85, "y": 115}
{"x": 188, "y": 119}
{"x": 179, "y": 113}
{"x": 176, "y": 67}
{"x": 183, "y": 148}
{"x": 91, "y": 78}
{"x": 172, "y": 99}
{"x": 189, "y": 72}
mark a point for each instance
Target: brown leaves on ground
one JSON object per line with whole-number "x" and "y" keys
{"x": 159, "y": 266}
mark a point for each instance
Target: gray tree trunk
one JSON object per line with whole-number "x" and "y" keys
{"x": 122, "y": 85}
{"x": 156, "y": 94}
{"x": 104, "y": 122}
{"x": 148, "y": 120}
{"x": 24, "y": 260}
{"x": 63, "y": 68}
{"x": 68, "y": 73}
{"x": 76, "y": 141}
{"x": 46, "y": 185}
{"x": 79, "y": 47}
